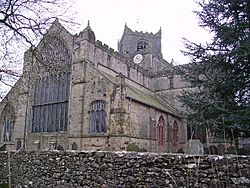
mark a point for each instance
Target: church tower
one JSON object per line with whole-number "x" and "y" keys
{"x": 134, "y": 43}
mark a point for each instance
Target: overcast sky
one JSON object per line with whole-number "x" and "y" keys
{"x": 175, "y": 17}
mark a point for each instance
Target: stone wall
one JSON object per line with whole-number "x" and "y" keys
{"x": 3, "y": 168}
{"x": 118, "y": 169}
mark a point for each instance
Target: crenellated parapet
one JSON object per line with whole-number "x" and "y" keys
{"x": 133, "y": 42}
{"x": 118, "y": 56}
{"x": 127, "y": 30}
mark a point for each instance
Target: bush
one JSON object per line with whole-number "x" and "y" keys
{"x": 133, "y": 147}
{"x": 4, "y": 185}
{"x": 241, "y": 151}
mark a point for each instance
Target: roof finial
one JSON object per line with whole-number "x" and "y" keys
{"x": 159, "y": 32}
{"x": 126, "y": 28}
{"x": 56, "y": 21}
{"x": 88, "y": 24}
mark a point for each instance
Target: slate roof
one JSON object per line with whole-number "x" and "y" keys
{"x": 148, "y": 97}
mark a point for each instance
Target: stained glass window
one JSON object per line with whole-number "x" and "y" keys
{"x": 51, "y": 91}
{"x": 97, "y": 117}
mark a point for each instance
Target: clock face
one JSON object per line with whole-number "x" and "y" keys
{"x": 138, "y": 58}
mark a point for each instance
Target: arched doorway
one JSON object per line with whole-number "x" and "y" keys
{"x": 160, "y": 134}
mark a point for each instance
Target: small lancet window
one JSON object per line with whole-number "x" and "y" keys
{"x": 160, "y": 131}
{"x": 175, "y": 134}
{"x": 97, "y": 117}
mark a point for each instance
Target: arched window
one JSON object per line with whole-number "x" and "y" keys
{"x": 51, "y": 91}
{"x": 97, "y": 117}
{"x": 141, "y": 45}
{"x": 160, "y": 131}
{"x": 7, "y": 123}
{"x": 175, "y": 134}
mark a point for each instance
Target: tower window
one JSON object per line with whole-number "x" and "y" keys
{"x": 97, "y": 117}
{"x": 142, "y": 45}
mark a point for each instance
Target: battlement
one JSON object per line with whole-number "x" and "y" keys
{"x": 127, "y": 30}
{"x": 132, "y": 41}
{"x": 147, "y": 34}
{"x": 88, "y": 34}
{"x": 117, "y": 55}
{"x": 109, "y": 50}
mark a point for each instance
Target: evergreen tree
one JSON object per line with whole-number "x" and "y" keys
{"x": 219, "y": 71}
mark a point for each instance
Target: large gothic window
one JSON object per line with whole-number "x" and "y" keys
{"x": 160, "y": 131}
{"x": 97, "y": 117}
{"x": 7, "y": 123}
{"x": 51, "y": 92}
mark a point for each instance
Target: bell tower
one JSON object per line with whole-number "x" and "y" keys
{"x": 133, "y": 43}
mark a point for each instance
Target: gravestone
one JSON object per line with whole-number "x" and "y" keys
{"x": 194, "y": 147}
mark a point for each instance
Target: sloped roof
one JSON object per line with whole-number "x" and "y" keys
{"x": 144, "y": 96}
{"x": 150, "y": 99}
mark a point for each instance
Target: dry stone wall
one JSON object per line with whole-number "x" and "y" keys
{"x": 120, "y": 169}
{"x": 3, "y": 168}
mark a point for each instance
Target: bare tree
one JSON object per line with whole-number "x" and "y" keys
{"x": 22, "y": 23}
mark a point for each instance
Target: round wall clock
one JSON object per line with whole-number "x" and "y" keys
{"x": 138, "y": 58}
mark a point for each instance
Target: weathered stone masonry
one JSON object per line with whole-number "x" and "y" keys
{"x": 118, "y": 169}
{"x": 80, "y": 94}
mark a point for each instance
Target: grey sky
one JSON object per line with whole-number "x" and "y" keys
{"x": 175, "y": 17}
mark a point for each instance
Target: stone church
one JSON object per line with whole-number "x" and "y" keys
{"x": 78, "y": 94}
